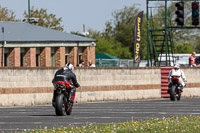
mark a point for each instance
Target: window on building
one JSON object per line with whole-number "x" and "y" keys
{"x": 80, "y": 52}
{"x": 22, "y": 56}
{"x": 6, "y": 59}
{"x": 67, "y": 51}
{"x": 52, "y": 57}
{"x": 37, "y": 57}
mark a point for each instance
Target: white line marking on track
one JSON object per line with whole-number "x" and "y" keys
{"x": 10, "y": 123}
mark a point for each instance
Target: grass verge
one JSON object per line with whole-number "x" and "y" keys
{"x": 165, "y": 125}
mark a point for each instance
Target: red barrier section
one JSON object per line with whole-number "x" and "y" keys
{"x": 164, "y": 81}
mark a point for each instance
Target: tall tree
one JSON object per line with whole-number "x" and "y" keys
{"x": 45, "y": 19}
{"x": 7, "y": 15}
{"x": 109, "y": 45}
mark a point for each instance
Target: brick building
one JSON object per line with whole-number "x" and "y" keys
{"x": 27, "y": 45}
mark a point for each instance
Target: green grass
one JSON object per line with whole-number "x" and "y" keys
{"x": 165, "y": 125}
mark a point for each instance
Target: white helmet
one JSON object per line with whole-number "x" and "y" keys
{"x": 176, "y": 66}
{"x": 70, "y": 66}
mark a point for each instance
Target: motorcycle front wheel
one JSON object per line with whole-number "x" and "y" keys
{"x": 60, "y": 105}
{"x": 172, "y": 93}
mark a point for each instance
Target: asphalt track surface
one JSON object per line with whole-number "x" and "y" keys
{"x": 41, "y": 117}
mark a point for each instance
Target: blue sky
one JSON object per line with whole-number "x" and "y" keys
{"x": 75, "y": 13}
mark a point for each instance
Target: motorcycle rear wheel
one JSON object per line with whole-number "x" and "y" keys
{"x": 60, "y": 105}
{"x": 172, "y": 93}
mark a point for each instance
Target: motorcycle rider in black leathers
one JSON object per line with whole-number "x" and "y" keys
{"x": 66, "y": 74}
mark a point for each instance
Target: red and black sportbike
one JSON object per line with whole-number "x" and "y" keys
{"x": 175, "y": 91}
{"x": 62, "y": 104}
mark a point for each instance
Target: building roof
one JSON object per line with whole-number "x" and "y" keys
{"x": 105, "y": 56}
{"x": 25, "y": 32}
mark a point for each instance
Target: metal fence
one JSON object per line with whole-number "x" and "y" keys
{"x": 181, "y": 59}
{"x": 119, "y": 63}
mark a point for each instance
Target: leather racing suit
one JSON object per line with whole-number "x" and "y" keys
{"x": 178, "y": 73}
{"x": 66, "y": 75}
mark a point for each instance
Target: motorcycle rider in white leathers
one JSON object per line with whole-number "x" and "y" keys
{"x": 178, "y": 73}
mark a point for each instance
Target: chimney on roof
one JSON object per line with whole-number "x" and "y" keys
{"x": 83, "y": 28}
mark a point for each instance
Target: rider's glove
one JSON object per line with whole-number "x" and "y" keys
{"x": 71, "y": 86}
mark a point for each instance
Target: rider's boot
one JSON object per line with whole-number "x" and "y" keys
{"x": 181, "y": 88}
{"x": 72, "y": 94}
